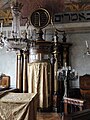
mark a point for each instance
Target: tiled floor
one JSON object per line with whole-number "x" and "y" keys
{"x": 48, "y": 116}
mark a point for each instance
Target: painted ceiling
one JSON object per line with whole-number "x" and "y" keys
{"x": 53, "y": 6}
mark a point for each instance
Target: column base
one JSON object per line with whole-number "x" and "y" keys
{"x": 49, "y": 109}
{"x": 56, "y": 103}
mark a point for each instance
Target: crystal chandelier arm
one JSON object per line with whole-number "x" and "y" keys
{"x": 60, "y": 31}
{"x": 87, "y": 44}
{"x": 1, "y": 27}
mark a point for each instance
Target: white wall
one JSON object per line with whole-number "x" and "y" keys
{"x": 78, "y": 61}
{"x": 8, "y": 59}
{"x": 77, "y": 34}
{"x": 8, "y": 65}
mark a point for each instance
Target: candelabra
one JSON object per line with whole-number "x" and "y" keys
{"x": 67, "y": 74}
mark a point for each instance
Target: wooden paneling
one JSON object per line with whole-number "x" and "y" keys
{"x": 85, "y": 88}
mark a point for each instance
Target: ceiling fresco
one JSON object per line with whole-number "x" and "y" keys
{"x": 53, "y": 6}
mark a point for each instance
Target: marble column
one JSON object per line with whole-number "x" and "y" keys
{"x": 19, "y": 82}
{"x": 25, "y": 81}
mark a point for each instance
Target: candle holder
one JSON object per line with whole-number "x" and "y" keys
{"x": 67, "y": 74}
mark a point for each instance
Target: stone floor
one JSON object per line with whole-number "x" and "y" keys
{"x": 48, "y": 116}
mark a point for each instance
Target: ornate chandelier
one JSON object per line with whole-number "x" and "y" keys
{"x": 16, "y": 41}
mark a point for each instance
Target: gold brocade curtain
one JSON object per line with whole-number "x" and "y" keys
{"x": 39, "y": 81}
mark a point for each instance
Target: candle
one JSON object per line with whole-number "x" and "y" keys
{"x": 66, "y": 72}
{"x": 65, "y": 64}
{"x": 30, "y": 31}
{"x": 1, "y": 27}
{"x": 55, "y": 39}
{"x": 69, "y": 68}
{"x": 86, "y": 44}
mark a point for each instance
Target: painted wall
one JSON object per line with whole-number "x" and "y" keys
{"x": 8, "y": 65}
{"x": 53, "y": 6}
{"x": 78, "y": 61}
